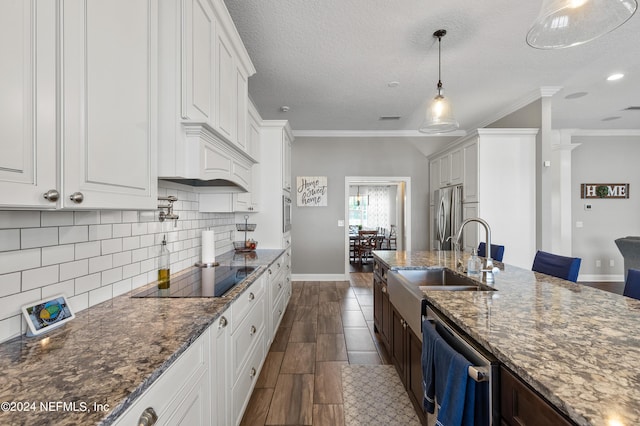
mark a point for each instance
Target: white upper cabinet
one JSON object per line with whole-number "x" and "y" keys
{"x": 27, "y": 110}
{"x": 203, "y": 80}
{"x": 109, "y": 115}
{"x": 451, "y": 168}
{"x": 286, "y": 161}
{"x": 90, "y": 141}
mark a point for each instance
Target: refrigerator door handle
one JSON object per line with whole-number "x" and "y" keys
{"x": 441, "y": 222}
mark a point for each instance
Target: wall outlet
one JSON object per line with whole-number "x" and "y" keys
{"x": 598, "y": 263}
{"x": 612, "y": 263}
{"x": 579, "y": 224}
{"x": 587, "y": 207}
{"x": 341, "y": 223}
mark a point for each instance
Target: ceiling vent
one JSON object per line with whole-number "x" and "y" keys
{"x": 389, "y": 117}
{"x": 632, "y": 108}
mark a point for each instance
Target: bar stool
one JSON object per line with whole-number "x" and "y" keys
{"x": 558, "y": 266}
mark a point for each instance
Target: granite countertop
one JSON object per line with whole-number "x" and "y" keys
{"x": 576, "y": 345}
{"x": 109, "y": 354}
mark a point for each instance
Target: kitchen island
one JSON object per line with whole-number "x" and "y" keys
{"x": 575, "y": 345}
{"x": 92, "y": 369}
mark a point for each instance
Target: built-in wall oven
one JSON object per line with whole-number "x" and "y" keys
{"x": 286, "y": 212}
{"x": 484, "y": 369}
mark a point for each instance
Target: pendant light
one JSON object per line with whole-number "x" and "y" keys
{"x": 439, "y": 117}
{"x": 566, "y": 23}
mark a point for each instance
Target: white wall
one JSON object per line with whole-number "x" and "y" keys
{"x": 94, "y": 256}
{"x": 600, "y": 159}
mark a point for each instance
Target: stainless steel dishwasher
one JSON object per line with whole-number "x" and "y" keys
{"x": 484, "y": 369}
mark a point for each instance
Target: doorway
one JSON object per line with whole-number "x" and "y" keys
{"x": 364, "y": 206}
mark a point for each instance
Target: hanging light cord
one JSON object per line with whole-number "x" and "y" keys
{"x": 439, "y": 34}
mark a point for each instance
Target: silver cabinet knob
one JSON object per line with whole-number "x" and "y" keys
{"x": 148, "y": 417}
{"x": 77, "y": 197}
{"x": 252, "y": 373}
{"x": 252, "y": 296}
{"x": 278, "y": 264}
{"x": 279, "y": 286}
{"x": 223, "y": 322}
{"x": 51, "y": 195}
{"x": 252, "y": 330}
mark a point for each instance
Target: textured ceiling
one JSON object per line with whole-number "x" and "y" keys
{"x": 331, "y": 61}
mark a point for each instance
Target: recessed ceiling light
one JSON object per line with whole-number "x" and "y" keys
{"x": 576, "y": 95}
{"x": 614, "y": 77}
{"x": 610, "y": 118}
{"x": 284, "y": 108}
{"x": 393, "y": 84}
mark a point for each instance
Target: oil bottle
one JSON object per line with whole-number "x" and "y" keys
{"x": 163, "y": 266}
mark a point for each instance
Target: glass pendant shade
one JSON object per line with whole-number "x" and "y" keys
{"x": 439, "y": 116}
{"x": 566, "y": 23}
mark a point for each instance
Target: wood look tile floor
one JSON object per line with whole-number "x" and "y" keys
{"x": 326, "y": 325}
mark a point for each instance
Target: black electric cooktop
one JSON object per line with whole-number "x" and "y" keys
{"x": 200, "y": 282}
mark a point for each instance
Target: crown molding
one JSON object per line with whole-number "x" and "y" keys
{"x": 605, "y": 132}
{"x": 372, "y": 134}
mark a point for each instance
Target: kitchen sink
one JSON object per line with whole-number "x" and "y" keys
{"x": 405, "y": 287}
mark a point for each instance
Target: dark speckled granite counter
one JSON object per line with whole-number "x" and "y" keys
{"x": 576, "y": 345}
{"x": 109, "y": 354}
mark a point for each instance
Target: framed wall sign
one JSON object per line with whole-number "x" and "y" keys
{"x": 311, "y": 191}
{"x": 604, "y": 190}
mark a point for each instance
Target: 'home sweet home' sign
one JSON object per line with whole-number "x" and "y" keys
{"x": 604, "y": 190}
{"x": 311, "y": 191}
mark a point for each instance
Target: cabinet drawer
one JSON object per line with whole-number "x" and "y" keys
{"x": 246, "y": 302}
{"x": 247, "y": 379}
{"x": 277, "y": 313}
{"x": 276, "y": 267}
{"x": 244, "y": 335}
{"x": 277, "y": 288}
{"x": 164, "y": 395}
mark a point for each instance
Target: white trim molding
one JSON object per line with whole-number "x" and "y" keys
{"x": 600, "y": 278}
{"x": 371, "y": 134}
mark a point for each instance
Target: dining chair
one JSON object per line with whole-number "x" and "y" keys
{"x": 632, "y": 284}
{"x": 391, "y": 239}
{"x": 558, "y": 266}
{"x": 367, "y": 242}
{"x": 497, "y": 251}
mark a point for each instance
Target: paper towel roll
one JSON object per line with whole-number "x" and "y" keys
{"x": 208, "y": 247}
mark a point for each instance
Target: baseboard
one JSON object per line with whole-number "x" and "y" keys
{"x": 600, "y": 278}
{"x": 319, "y": 277}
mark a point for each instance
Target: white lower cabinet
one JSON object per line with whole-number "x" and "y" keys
{"x": 220, "y": 372}
{"x": 182, "y": 393}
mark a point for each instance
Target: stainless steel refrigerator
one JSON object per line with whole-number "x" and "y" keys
{"x": 448, "y": 216}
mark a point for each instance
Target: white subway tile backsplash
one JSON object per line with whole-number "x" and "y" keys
{"x": 100, "y": 295}
{"x": 121, "y": 230}
{"x": 111, "y": 246}
{"x": 56, "y": 218}
{"x": 19, "y": 219}
{"x": 34, "y": 278}
{"x": 110, "y": 216}
{"x": 73, "y": 234}
{"x": 74, "y": 269}
{"x": 10, "y": 283}
{"x": 58, "y": 254}
{"x": 87, "y": 283}
{"x": 38, "y": 237}
{"x": 100, "y": 263}
{"x": 92, "y": 256}
{"x": 64, "y": 287}
{"x": 87, "y": 250}
{"x": 100, "y": 232}
{"x": 9, "y": 239}
{"x": 86, "y": 218}
{"x": 19, "y": 260}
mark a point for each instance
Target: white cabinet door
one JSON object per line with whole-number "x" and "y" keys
{"x": 198, "y": 88}
{"x": 27, "y": 110}
{"x": 242, "y": 93}
{"x": 457, "y": 166}
{"x": 445, "y": 170}
{"x": 221, "y": 370}
{"x": 226, "y": 87}
{"x": 109, "y": 106}
{"x": 286, "y": 162}
{"x": 470, "y": 232}
{"x": 434, "y": 179}
{"x": 470, "y": 157}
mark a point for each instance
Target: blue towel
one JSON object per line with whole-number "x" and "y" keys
{"x": 429, "y": 339}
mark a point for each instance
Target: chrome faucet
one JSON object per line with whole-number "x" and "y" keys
{"x": 488, "y": 269}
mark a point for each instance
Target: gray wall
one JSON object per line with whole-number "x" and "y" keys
{"x": 608, "y": 159}
{"x": 318, "y": 242}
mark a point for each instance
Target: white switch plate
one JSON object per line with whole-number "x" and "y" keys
{"x": 612, "y": 263}
{"x": 341, "y": 223}
{"x": 579, "y": 224}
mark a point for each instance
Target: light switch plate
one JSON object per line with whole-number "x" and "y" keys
{"x": 341, "y": 223}
{"x": 579, "y": 224}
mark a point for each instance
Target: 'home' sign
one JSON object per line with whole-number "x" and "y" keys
{"x": 604, "y": 190}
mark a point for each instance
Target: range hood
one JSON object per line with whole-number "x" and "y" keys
{"x": 201, "y": 158}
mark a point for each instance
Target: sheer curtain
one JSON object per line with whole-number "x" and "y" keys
{"x": 379, "y": 206}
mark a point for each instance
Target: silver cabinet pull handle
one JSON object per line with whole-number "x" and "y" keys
{"x": 51, "y": 195}
{"x": 279, "y": 286}
{"x": 279, "y": 312}
{"x": 223, "y": 322}
{"x": 270, "y": 271}
{"x": 278, "y": 264}
{"x": 148, "y": 417}
{"x": 251, "y": 296}
{"x": 252, "y": 330}
{"x": 77, "y": 197}
{"x": 252, "y": 373}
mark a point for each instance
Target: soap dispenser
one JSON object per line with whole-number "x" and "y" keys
{"x": 164, "y": 266}
{"x": 474, "y": 264}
